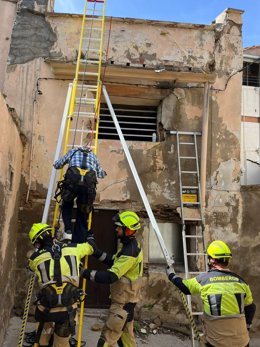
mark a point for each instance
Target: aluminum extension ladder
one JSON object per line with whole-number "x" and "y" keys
{"x": 191, "y": 209}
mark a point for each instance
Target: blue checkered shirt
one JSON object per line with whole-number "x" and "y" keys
{"x": 92, "y": 162}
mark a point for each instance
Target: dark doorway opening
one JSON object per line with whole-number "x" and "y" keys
{"x": 104, "y": 231}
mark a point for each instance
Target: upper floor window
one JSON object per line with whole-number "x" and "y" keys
{"x": 251, "y": 74}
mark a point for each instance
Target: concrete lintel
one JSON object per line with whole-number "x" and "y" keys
{"x": 135, "y": 75}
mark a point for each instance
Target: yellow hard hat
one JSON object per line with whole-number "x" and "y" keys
{"x": 219, "y": 249}
{"x": 128, "y": 219}
{"x": 39, "y": 231}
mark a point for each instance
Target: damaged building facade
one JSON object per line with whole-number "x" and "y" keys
{"x": 182, "y": 77}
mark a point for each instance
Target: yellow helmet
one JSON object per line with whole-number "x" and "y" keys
{"x": 218, "y": 250}
{"x": 39, "y": 231}
{"x": 128, "y": 219}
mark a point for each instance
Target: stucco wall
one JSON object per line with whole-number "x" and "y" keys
{"x": 246, "y": 256}
{"x": 11, "y": 151}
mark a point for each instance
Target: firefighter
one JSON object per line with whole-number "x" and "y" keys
{"x": 79, "y": 183}
{"x": 125, "y": 279}
{"x": 57, "y": 268}
{"x": 227, "y": 299}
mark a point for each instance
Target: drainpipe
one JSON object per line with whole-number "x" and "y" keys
{"x": 204, "y": 146}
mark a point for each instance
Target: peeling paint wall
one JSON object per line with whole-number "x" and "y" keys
{"x": 10, "y": 174}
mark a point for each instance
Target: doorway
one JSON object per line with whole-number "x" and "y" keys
{"x": 105, "y": 236}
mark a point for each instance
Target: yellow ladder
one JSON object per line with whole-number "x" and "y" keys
{"x": 84, "y": 108}
{"x": 80, "y": 119}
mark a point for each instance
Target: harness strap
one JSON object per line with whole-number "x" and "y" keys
{"x": 71, "y": 319}
{"x": 39, "y": 332}
{"x": 56, "y": 255}
{"x": 84, "y": 160}
{"x": 57, "y": 193}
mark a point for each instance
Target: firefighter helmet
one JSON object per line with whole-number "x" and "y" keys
{"x": 218, "y": 250}
{"x": 40, "y": 231}
{"x": 128, "y": 219}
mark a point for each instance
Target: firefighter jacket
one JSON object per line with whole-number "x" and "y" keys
{"x": 125, "y": 272}
{"x": 42, "y": 263}
{"x": 223, "y": 293}
{"x": 226, "y": 297}
{"x": 128, "y": 267}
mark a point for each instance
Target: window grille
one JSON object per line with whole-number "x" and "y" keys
{"x": 138, "y": 123}
{"x": 251, "y": 74}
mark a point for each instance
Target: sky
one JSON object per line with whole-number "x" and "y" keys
{"x": 183, "y": 11}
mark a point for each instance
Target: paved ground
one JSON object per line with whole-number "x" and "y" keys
{"x": 153, "y": 337}
{"x": 93, "y": 319}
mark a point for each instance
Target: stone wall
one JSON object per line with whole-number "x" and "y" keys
{"x": 11, "y": 152}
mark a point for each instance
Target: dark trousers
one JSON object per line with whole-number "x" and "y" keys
{"x": 83, "y": 199}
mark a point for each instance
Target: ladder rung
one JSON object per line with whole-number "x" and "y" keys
{"x": 85, "y": 101}
{"x": 88, "y": 61}
{"x": 187, "y": 157}
{"x": 87, "y": 86}
{"x": 93, "y": 49}
{"x": 91, "y": 39}
{"x": 197, "y": 313}
{"x": 193, "y": 236}
{"x": 94, "y": 10}
{"x": 84, "y": 114}
{"x": 189, "y": 172}
{"x": 195, "y": 272}
{"x": 190, "y": 203}
{"x": 88, "y": 73}
{"x": 83, "y": 131}
{"x": 187, "y": 143}
{"x": 89, "y": 28}
{"x": 192, "y": 219}
{"x": 204, "y": 254}
{"x": 80, "y": 145}
{"x": 98, "y": 19}
{"x": 190, "y": 187}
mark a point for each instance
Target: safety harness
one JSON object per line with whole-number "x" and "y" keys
{"x": 75, "y": 178}
{"x": 58, "y": 294}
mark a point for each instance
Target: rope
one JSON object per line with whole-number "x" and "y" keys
{"x": 189, "y": 315}
{"x": 26, "y": 310}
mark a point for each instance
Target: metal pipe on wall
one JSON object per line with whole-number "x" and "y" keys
{"x": 204, "y": 146}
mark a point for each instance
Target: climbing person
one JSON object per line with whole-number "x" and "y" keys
{"x": 56, "y": 266}
{"x": 79, "y": 183}
{"x": 227, "y": 299}
{"x": 125, "y": 279}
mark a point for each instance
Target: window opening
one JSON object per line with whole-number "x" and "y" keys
{"x": 251, "y": 74}
{"x": 138, "y": 123}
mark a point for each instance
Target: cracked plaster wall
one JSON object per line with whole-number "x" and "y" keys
{"x": 10, "y": 174}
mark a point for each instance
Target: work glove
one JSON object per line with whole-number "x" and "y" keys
{"x": 88, "y": 274}
{"x": 248, "y": 326}
{"x": 170, "y": 272}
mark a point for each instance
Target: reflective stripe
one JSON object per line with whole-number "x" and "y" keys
{"x": 240, "y": 301}
{"x": 72, "y": 262}
{"x": 103, "y": 256}
{"x": 215, "y": 304}
{"x": 44, "y": 269}
{"x": 92, "y": 275}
